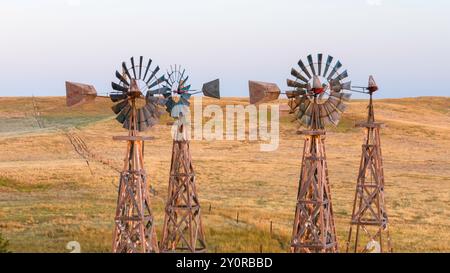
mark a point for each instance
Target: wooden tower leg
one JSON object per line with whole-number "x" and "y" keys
{"x": 183, "y": 229}
{"x": 369, "y": 215}
{"x": 134, "y": 225}
{"x": 314, "y": 229}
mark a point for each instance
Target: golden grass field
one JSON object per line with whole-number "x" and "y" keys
{"x": 49, "y": 196}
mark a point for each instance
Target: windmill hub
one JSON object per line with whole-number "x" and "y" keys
{"x": 317, "y": 86}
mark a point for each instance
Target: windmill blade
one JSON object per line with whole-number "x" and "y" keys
{"x": 158, "y": 81}
{"x": 341, "y": 96}
{"x": 186, "y": 88}
{"x": 154, "y": 100}
{"x": 332, "y": 110}
{"x": 125, "y": 70}
{"x": 347, "y": 85}
{"x": 292, "y": 83}
{"x": 305, "y": 105}
{"x": 329, "y": 114}
{"x": 184, "y": 101}
{"x": 304, "y": 115}
{"x": 148, "y": 67}
{"x": 212, "y": 89}
{"x": 304, "y": 109}
{"x": 323, "y": 116}
{"x": 160, "y": 91}
{"x": 327, "y": 65}
{"x": 319, "y": 63}
{"x": 152, "y": 110}
{"x": 132, "y": 67}
{"x": 79, "y": 93}
{"x": 153, "y": 74}
{"x": 337, "y": 87}
{"x": 149, "y": 121}
{"x": 182, "y": 75}
{"x": 117, "y": 96}
{"x": 117, "y": 108}
{"x": 336, "y": 117}
{"x": 141, "y": 58}
{"x": 143, "y": 124}
{"x": 123, "y": 115}
{"x": 306, "y": 120}
{"x": 186, "y": 96}
{"x": 292, "y": 103}
{"x": 337, "y": 104}
{"x": 170, "y": 103}
{"x": 295, "y": 93}
{"x": 299, "y": 76}
{"x": 122, "y": 78}
{"x": 118, "y": 87}
{"x": 152, "y": 122}
{"x": 303, "y": 67}
{"x": 334, "y": 70}
{"x": 127, "y": 123}
{"x": 342, "y": 76}
{"x": 295, "y": 103}
{"x": 311, "y": 64}
{"x": 147, "y": 116}
{"x": 182, "y": 82}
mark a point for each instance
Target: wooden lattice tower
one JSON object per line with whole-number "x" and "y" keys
{"x": 369, "y": 219}
{"x": 314, "y": 229}
{"x": 134, "y": 224}
{"x": 183, "y": 229}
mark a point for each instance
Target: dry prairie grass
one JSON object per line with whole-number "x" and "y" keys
{"x": 49, "y": 197}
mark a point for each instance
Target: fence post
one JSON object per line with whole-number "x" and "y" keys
{"x": 271, "y": 228}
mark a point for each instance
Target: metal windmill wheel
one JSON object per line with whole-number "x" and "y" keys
{"x": 178, "y": 89}
{"x": 134, "y": 81}
{"x": 177, "y": 92}
{"x": 318, "y": 98}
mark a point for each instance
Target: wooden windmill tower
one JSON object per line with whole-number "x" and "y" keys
{"x": 369, "y": 219}
{"x": 183, "y": 229}
{"x": 134, "y": 223}
{"x": 317, "y": 100}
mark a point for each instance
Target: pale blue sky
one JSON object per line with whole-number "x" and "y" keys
{"x": 404, "y": 44}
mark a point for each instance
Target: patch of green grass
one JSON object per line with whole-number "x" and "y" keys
{"x": 3, "y": 244}
{"x": 346, "y": 125}
{"x": 73, "y": 121}
{"x": 21, "y": 186}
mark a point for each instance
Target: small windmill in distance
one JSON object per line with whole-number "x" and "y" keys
{"x": 369, "y": 213}
{"x": 316, "y": 100}
{"x": 183, "y": 228}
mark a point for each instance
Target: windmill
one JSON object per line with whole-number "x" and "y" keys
{"x": 369, "y": 213}
{"x": 317, "y": 99}
{"x": 183, "y": 229}
{"x": 134, "y": 223}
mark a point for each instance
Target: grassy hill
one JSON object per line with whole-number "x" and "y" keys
{"x": 50, "y": 196}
